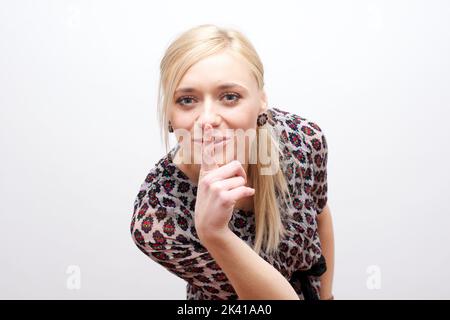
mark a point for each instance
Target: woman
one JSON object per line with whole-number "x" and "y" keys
{"x": 238, "y": 207}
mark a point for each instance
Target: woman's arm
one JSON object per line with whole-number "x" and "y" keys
{"x": 326, "y": 235}
{"x": 251, "y": 276}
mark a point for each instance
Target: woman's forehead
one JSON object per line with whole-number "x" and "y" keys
{"x": 215, "y": 71}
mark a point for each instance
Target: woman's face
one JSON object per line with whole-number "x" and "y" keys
{"x": 222, "y": 91}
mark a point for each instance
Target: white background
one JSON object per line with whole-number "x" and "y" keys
{"x": 79, "y": 134}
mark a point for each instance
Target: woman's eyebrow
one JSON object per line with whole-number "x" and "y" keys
{"x": 229, "y": 85}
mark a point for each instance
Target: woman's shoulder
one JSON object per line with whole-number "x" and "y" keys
{"x": 165, "y": 188}
{"x": 297, "y": 130}
{"x": 303, "y": 139}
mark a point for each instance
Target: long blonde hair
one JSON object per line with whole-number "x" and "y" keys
{"x": 192, "y": 46}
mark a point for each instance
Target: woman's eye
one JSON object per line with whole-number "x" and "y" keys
{"x": 186, "y": 100}
{"x": 235, "y": 95}
{"x": 183, "y": 99}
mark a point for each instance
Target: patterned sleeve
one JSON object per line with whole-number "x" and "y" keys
{"x": 319, "y": 158}
{"x": 154, "y": 232}
{"x": 162, "y": 234}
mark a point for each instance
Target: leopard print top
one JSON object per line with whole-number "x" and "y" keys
{"x": 163, "y": 228}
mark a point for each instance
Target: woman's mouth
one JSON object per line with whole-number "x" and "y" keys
{"x": 217, "y": 140}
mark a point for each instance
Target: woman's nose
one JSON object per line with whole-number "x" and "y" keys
{"x": 208, "y": 117}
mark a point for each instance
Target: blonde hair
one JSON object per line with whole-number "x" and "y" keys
{"x": 190, "y": 47}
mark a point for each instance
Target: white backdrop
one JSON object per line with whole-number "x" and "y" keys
{"x": 79, "y": 134}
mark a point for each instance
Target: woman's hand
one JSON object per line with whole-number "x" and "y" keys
{"x": 218, "y": 190}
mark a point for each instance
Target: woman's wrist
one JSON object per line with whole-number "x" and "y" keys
{"x": 207, "y": 236}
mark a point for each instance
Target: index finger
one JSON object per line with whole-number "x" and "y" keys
{"x": 229, "y": 170}
{"x": 208, "y": 162}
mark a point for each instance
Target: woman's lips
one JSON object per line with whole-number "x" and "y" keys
{"x": 216, "y": 140}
